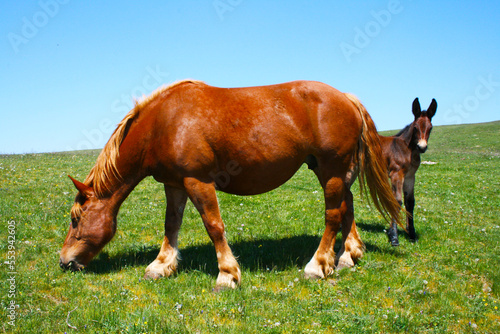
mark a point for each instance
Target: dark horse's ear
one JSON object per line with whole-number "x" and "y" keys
{"x": 432, "y": 109}
{"x": 83, "y": 189}
{"x": 417, "y": 111}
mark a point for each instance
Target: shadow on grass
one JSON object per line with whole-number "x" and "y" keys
{"x": 371, "y": 227}
{"x": 254, "y": 255}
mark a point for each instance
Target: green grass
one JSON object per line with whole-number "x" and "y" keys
{"x": 447, "y": 282}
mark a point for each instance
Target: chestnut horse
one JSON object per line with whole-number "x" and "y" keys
{"x": 402, "y": 155}
{"x": 195, "y": 138}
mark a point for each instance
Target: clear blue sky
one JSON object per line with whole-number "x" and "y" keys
{"x": 69, "y": 70}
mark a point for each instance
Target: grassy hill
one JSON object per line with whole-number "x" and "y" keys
{"x": 447, "y": 282}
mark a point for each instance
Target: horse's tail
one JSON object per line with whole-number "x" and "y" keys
{"x": 372, "y": 167}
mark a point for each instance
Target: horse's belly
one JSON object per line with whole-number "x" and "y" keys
{"x": 251, "y": 178}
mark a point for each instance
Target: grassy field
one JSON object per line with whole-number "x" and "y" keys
{"x": 447, "y": 282}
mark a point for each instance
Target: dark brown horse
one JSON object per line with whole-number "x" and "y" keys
{"x": 402, "y": 155}
{"x": 195, "y": 138}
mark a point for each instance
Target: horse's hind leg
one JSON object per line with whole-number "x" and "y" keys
{"x": 352, "y": 247}
{"x": 165, "y": 263}
{"x": 409, "y": 195}
{"x": 204, "y": 198}
{"x": 397, "y": 179}
{"x": 323, "y": 262}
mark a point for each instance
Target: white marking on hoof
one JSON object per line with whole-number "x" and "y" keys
{"x": 158, "y": 269}
{"x": 345, "y": 261}
{"x": 344, "y": 264}
{"x": 227, "y": 281}
{"x": 314, "y": 271}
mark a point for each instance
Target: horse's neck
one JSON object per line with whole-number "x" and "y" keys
{"x": 415, "y": 158}
{"x": 120, "y": 192}
{"x": 407, "y": 135}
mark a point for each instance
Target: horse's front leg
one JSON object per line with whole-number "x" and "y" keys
{"x": 397, "y": 179}
{"x": 165, "y": 263}
{"x": 409, "y": 195}
{"x": 352, "y": 247}
{"x": 204, "y": 198}
{"x": 323, "y": 262}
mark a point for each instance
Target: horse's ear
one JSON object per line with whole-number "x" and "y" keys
{"x": 417, "y": 111}
{"x": 82, "y": 188}
{"x": 432, "y": 109}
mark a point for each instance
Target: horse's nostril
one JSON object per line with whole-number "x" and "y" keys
{"x": 75, "y": 266}
{"x": 71, "y": 265}
{"x": 422, "y": 149}
{"x": 63, "y": 265}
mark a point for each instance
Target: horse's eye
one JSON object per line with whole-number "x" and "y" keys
{"x": 74, "y": 222}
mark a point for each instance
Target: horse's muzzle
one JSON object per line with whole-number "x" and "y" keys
{"x": 71, "y": 265}
{"x": 421, "y": 149}
{"x": 422, "y": 146}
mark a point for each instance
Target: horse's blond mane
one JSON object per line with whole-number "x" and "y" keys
{"x": 105, "y": 172}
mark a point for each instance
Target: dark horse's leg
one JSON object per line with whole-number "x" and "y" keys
{"x": 165, "y": 263}
{"x": 409, "y": 195}
{"x": 397, "y": 179}
{"x": 204, "y": 198}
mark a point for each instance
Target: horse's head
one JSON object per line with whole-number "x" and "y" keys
{"x": 92, "y": 226}
{"x": 422, "y": 125}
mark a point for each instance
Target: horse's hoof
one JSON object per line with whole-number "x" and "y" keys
{"x": 345, "y": 261}
{"x": 393, "y": 238}
{"x": 225, "y": 286}
{"x": 151, "y": 275}
{"x": 220, "y": 288}
{"x": 157, "y": 269}
{"x": 316, "y": 272}
{"x": 227, "y": 281}
{"x": 343, "y": 264}
{"x": 413, "y": 236}
{"x": 313, "y": 276}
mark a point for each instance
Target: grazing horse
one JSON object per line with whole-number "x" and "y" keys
{"x": 402, "y": 155}
{"x": 189, "y": 134}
